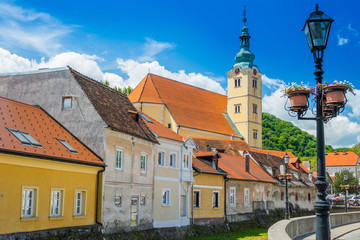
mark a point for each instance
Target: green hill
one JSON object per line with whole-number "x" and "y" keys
{"x": 284, "y": 136}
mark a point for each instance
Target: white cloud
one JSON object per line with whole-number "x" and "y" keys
{"x": 354, "y": 31}
{"x": 342, "y": 41}
{"x": 137, "y": 71}
{"x": 13, "y": 63}
{"x": 272, "y": 83}
{"x": 353, "y": 103}
{"x": 28, "y": 29}
{"x": 153, "y": 48}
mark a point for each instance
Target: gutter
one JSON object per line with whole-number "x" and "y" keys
{"x": 97, "y": 195}
{"x": 225, "y": 209}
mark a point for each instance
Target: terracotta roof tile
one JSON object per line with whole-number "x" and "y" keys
{"x": 113, "y": 107}
{"x": 231, "y": 147}
{"x": 204, "y": 153}
{"x": 160, "y": 129}
{"x": 44, "y": 129}
{"x": 190, "y": 106}
{"x": 341, "y": 159}
{"x": 202, "y": 166}
{"x": 235, "y": 166}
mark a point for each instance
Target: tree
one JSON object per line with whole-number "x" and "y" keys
{"x": 356, "y": 149}
{"x": 351, "y": 181}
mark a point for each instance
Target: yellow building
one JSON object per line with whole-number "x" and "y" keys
{"x": 244, "y": 93}
{"x": 208, "y": 189}
{"x": 49, "y": 179}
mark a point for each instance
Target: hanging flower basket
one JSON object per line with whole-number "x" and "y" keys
{"x": 326, "y": 110}
{"x": 335, "y": 95}
{"x": 298, "y": 100}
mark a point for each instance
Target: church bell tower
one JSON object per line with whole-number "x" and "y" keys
{"x": 244, "y": 92}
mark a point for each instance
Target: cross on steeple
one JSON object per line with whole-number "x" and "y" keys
{"x": 244, "y": 20}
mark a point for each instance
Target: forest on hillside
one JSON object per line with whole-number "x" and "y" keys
{"x": 284, "y": 136}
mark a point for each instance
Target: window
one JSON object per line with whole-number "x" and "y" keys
{"x": 67, "y": 102}
{"x": 282, "y": 196}
{"x": 80, "y": 203}
{"x": 309, "y": 197}
{"x": 67, "y": 145}
{"x": 255, "y": 108}
{"x": 173, "y": 160}
{"x": 233, "y": 196}
{"x": 255, "y": 134}
{"x": 237, "y": 82}
{"x": 161, "y": 158}
{"x": 186, "y": 163}
{"x": 118, "y": 200}
{"x": 143, "y": 163}
{"x": 246, "y": 197}
{"x": 119, "y": 158}
{"x": 255, "y": 82}
{"x": 166, "y": 197}
{"x": 169, "y": 125}
{"x": 56, "y": 205}
{"x": 142, "y": 200}
{"x": 215, "y": 199}
{"x": 196, "y": 200}
{"x": 237, "y": 108}
{"x": 25, "y": 138}
{"x": 29, "y": 202}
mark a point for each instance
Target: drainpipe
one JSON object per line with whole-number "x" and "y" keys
{"x": 225, "y": 209}
{"x": 97, "y": 195}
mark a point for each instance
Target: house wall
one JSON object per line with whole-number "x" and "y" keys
{"x": 333, "y": 170}
{"x": 265, "y": 196}
{"x": 207, "y": 184}
{"x": 17, "y": 172}
{"x": 127, "y": 183}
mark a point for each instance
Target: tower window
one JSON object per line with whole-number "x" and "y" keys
{"x": 255, "y": 134}
{"x": 255, "y": 108}
{"x": 66, "y": 102}
{"x": 237, "y": 82}
{"x": 255, "y": 82}
{"x": 237, "y": 108}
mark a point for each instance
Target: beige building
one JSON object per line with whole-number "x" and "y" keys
{"x": 173, "y": 176}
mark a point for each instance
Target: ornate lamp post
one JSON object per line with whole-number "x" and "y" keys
{"x": 286, "y": 161}
{"x": 316, "y": 30}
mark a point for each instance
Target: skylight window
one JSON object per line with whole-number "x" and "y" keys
{"x": 67, "y": 145}
{"x": 145, "y": 117}
{"x": 25, "y": 138}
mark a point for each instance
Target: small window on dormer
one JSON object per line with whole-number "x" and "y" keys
{"x": 67, "y": 102}
{"x": 67, "y": 145}
{"x": 25, "y": 138}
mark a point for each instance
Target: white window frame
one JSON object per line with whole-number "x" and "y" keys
{"x": 218, "y": 199}
{"x": 121, "y": 150}
{"x": 167, "y": 193}
{"x": 29, "y": 203}
{"x": 162, "y": 164}
{"x": 187, "y": 161}
{"x": 246, "y": 196}
{"x": 233, "y": 196}
{"x": 143, "y": 169}
{"x": 57, "y": 203}
{"x": 80, "y": 204}
{"x": 174, "y": 160}
{"x": 237, "y": 108}
{"x": 63, "y": 102}
{"x": 255, "y": 134}
{"x": 199, "y": 203}
{"x": 237, "y": 82}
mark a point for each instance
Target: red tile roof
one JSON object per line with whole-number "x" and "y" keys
{"x": 190, "y": 106}
{"x": 44, "y": 129}
{"x": 160, "y": 129}
{"x": 341, "y": 159}
{"x": 222, "y": 145}
{"x": 201, "y": 166}
{"x": 205, "y": 153}
{"x": 235, "y": 166}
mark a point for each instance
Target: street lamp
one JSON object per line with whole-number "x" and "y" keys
{"x": 316, "y": 30}
{"x": 286, "y": 161}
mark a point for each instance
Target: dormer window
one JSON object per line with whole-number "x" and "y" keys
{"x": 67, "y": 145}
{"x": 25, "y": 138}
{"x": 66, "y": 102}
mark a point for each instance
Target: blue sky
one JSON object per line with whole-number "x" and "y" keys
{"x": 190, "y": 41}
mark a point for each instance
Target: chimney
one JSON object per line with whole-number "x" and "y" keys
{"x": 247, "y": 163}
{"x": 335, "y": 153}
{"x": 344, "y": 153}
{"x": 208, "y": 148}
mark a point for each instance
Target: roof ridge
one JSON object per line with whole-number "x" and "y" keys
{"x": 95, "y": 81}
{"x": 156, "y": 89}
{"x": 187, "y": 84}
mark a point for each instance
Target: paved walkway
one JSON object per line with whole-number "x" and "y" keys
{"x": 346, "y": 232}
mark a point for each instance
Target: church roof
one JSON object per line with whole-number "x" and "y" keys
{"x": 190, "y": 106}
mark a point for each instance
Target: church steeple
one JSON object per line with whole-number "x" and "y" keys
{"x": 244, "y": 58}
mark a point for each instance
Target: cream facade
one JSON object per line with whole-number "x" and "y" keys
{"x": 172, "y": 181}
